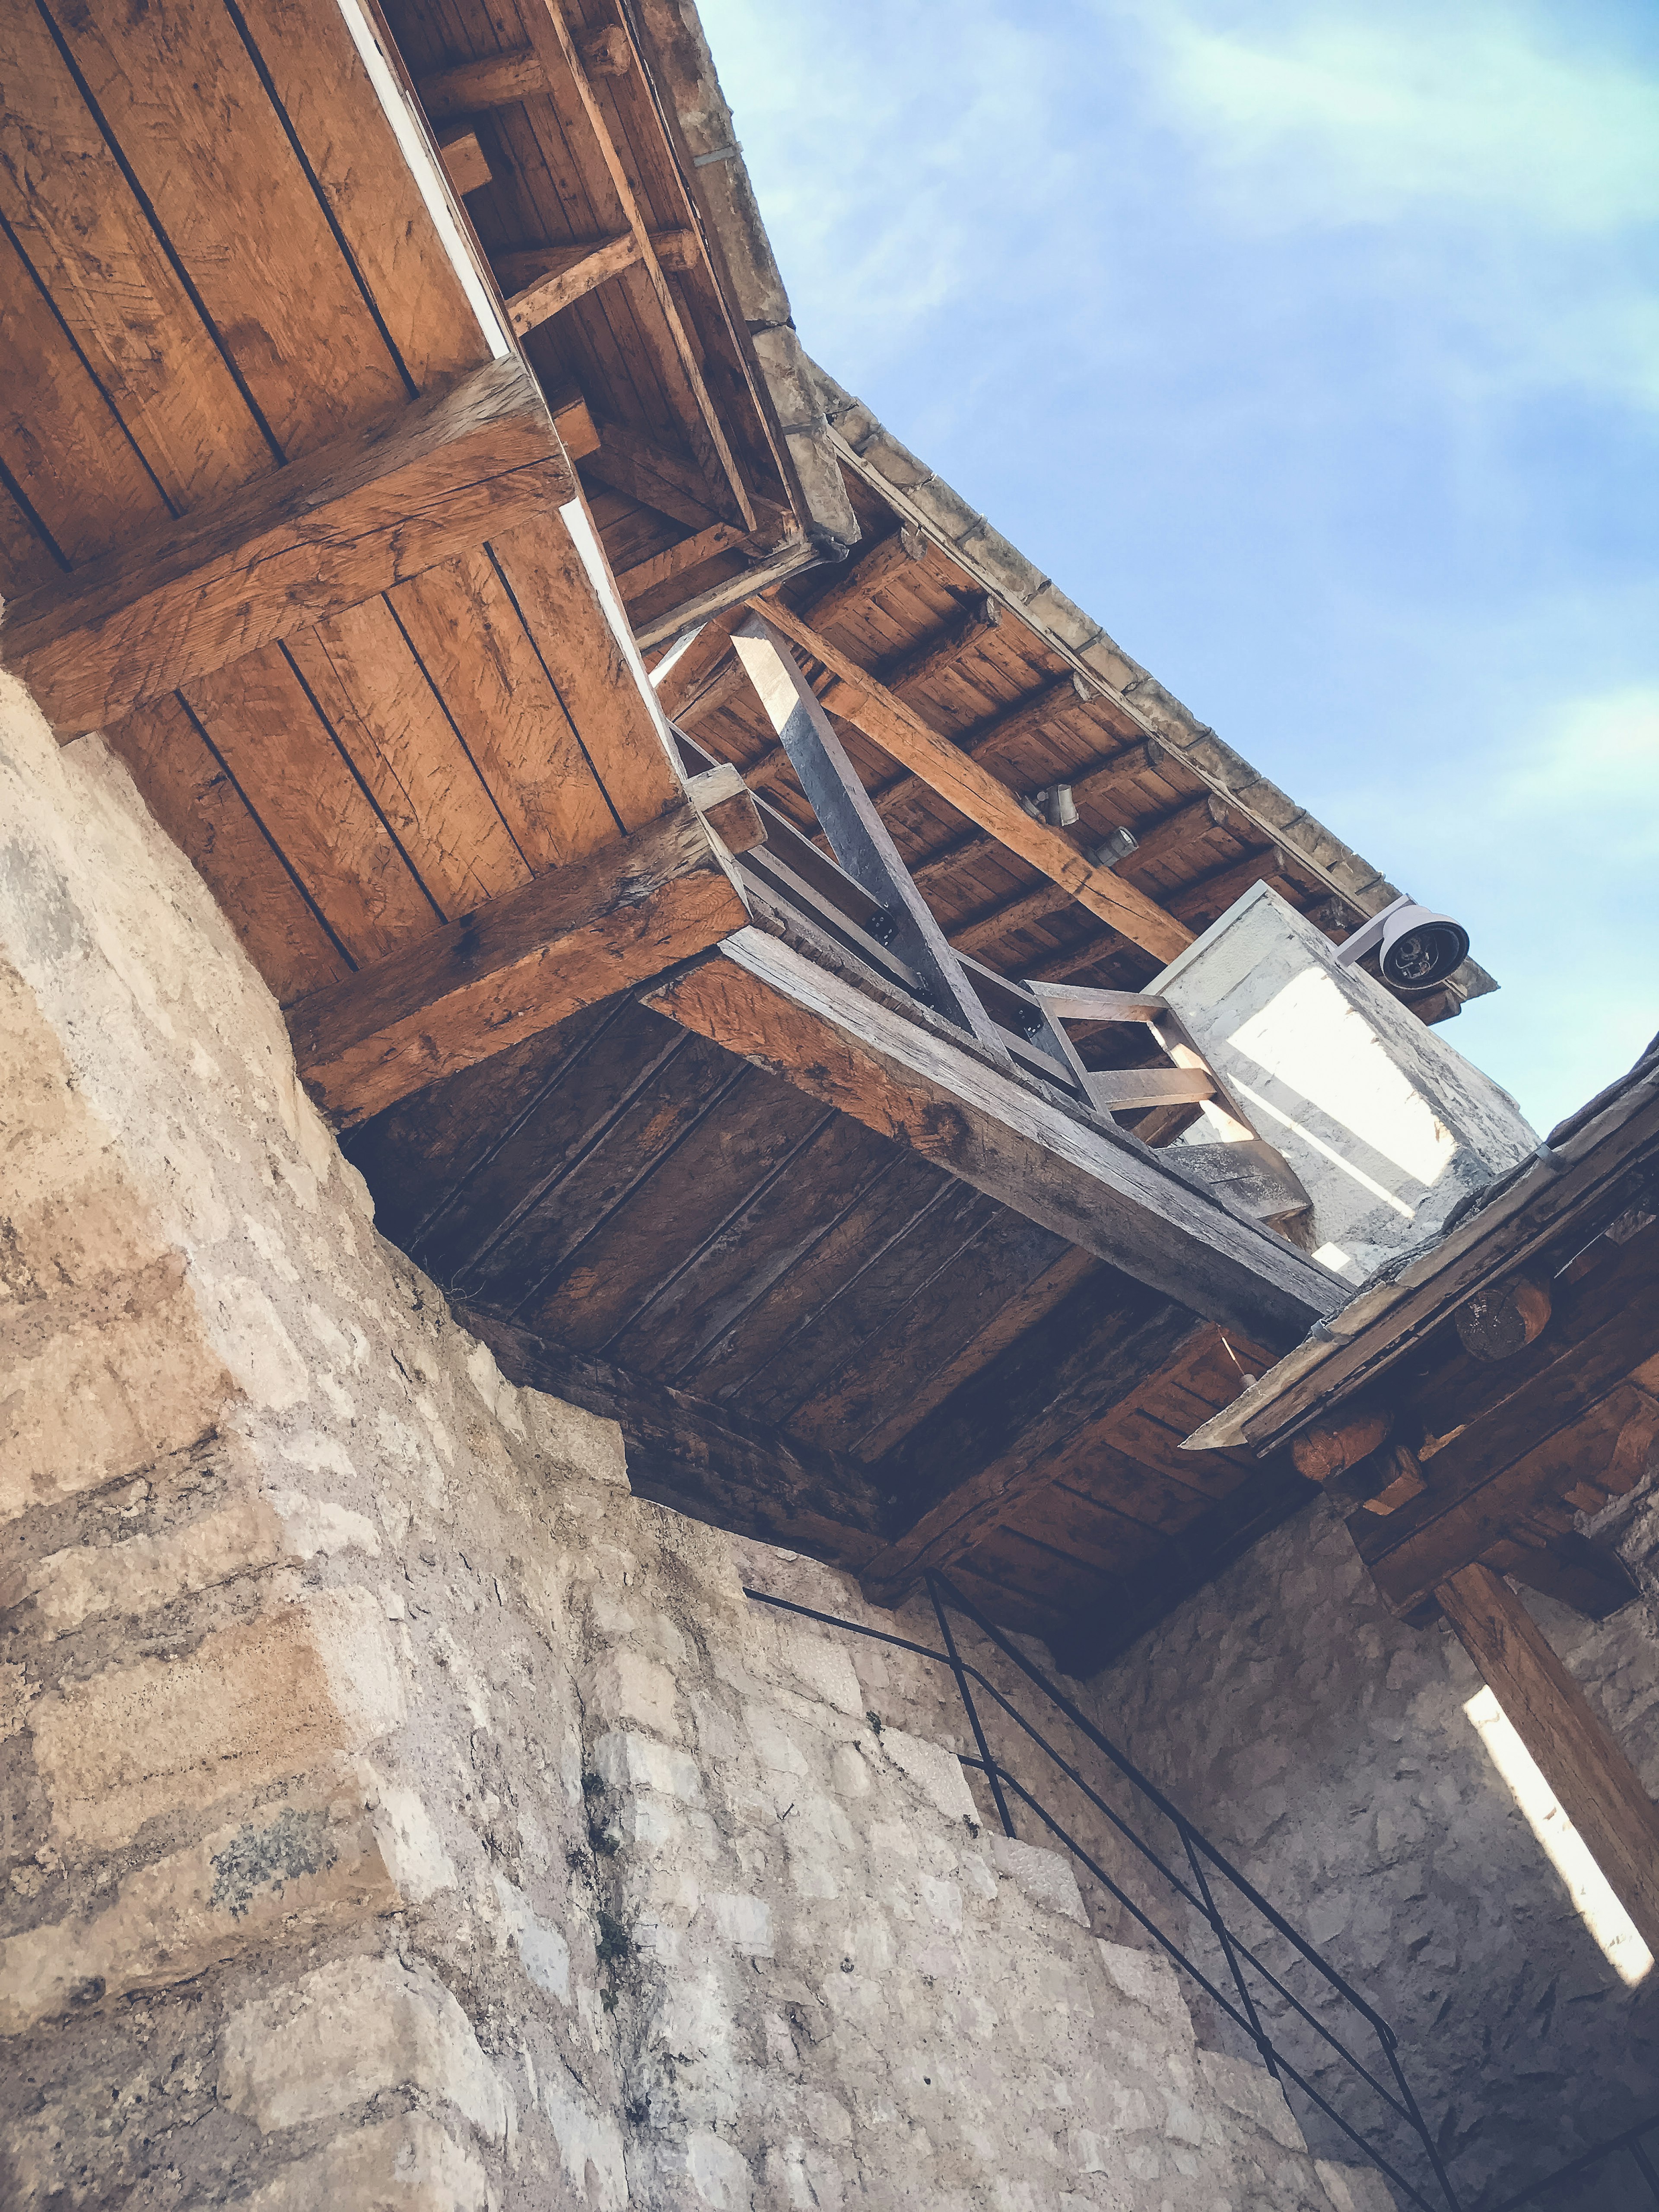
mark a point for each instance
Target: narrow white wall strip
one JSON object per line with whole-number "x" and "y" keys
{"x": 1610, "y": 1926}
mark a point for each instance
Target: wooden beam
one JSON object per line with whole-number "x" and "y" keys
{"x": 993, "y": 1443}
{"x": 473, "y": 87}
{"x": 858, "y": 836}
{"x": 1166, "y": 838}
{"x": 607, "y": 51}
{"x": 1108, "y": 1195}
{"x": 853, "y": 584}
{"x": 629, "y": 462}
{"x": 552, "y": 39}
{"x": 568, "y": 280}
{"x": 920, "y": 663}
{"x": 1599, "y": 1789}
{"x": 323, "y": 534}
{"x": 465, "y": 160}
{"x": 1608, "y": 1447}
{"x": 1569, "y": 1569}
{"x": 690, "y": 553}
{"x": 1024, "y": 911}
{"x": 520, "y": 266}
{"x": 1120, "y": 1090}
{"x": 515, "y": 967}
{"x": 703, "y": 1460}
{"x": 857, "y": 698}
{"x": 1213, "y": 894}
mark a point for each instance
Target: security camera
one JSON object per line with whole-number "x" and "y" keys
{"x": 1416, "y": 949}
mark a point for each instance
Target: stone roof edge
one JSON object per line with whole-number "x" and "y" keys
{"x": 922, "y": 495}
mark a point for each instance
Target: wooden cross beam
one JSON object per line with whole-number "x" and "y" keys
{"x": 900, "y": 731}
{"x": 326, "y": 533}
{"x": 525, "y": 961}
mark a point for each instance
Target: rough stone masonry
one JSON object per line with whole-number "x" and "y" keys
{"x": 395, "y": 1811}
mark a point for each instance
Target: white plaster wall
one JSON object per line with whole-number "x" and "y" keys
{"x": 1386, "y": 1123}
{"x": 396, "y": 1812}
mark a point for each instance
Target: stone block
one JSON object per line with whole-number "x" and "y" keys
{"x": 270, "y": 1697}
{"x": 627, "y": 1761}
{"x": 935, "y": 1770}
{"x": 407, "y": 2165}
{"x": 289, "y": 1869}
{"x": 344, "y": 2033}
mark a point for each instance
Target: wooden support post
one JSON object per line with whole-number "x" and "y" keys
{"x": 324, "y": 534}
{"x": 517, "y": 966}
{"x": 471, "y": 87}
{"x": 859, "y": 698}
{"x": 1599, "y": 1789}
{"x": 858, "y": 836}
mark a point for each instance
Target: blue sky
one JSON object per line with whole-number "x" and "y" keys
{"x": 1315, "y": 352}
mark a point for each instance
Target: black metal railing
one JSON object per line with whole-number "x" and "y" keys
{"x": 1224, "y": 1907}
{"x": 1621, "y": 2172}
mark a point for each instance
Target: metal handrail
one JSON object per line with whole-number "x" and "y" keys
{"x": 1204, "y": 1861}
{"x": 1629, "y": 2140}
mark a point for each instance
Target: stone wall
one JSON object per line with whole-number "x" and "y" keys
{"x": 394, "y": 1811}
{"x": 1325, "y": 1748}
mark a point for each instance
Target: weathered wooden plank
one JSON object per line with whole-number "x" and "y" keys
{"x": 589, "y": 669}
{"x": 922, "y": 663}
{"x": 629, "y": 462}
{"x": 1599, "y": 1789}
{"x": 857, "y": 698}
{"x": 690, "y": 553}
{"x": 515, "y": 966}
{"x": 1029, "y": 1306}
{"x": 668, "y": 1218}
{"x": 959, "y": 1301}
{"x": 470, "y": 639}
{"x": 1024, "y": 911}
{"x": 297, "y": 781}
{"x": 1201, "y": 903}
{"x": 324, "y": 534}
{"x": 855, "y": 1240}
{"x": 492, "y": 81}
{"x": 497, "y": 1215}
{"x": 423, "y": 1157}
{"x": 1120, "y": 1089}
{"x": 182, "y": 97}
{"x": 192, "y": 796}
{"x": 856, "y": 1312}
{"x": 762, "y": 1000}
{"x": 776, "y": 1230}
{"x": 75, "y": 216}
{"x": 370, "y": 191}
{"x": 575, "y": 271}
{"x": 578, "y": 1189}
{"x": 61, "y": 444}
{"x": 704, "y": 1461}
{"x": 1164, "y": 840}
{"x": 551, "y": 38}
{"x": 392, "y": 728}
{"x": 990, "y": 1444}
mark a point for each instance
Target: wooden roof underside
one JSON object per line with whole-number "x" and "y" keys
{"x": 220, "y": 265}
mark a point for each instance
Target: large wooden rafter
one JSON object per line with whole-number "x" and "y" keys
{"x": 860, "y": 698}
{"x": 329, "y": 531}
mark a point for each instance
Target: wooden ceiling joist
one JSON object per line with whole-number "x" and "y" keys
{"x": 859, "y": 699}
{"x": 516, "y": 966}
{"x": 354, "y": 518}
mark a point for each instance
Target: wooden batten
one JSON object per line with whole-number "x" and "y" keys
{"x": 571, "y": 273}
{"x": 515, "y": 967}
{"x": 328, "y": 532}
{"x": 1599, "y": 1789}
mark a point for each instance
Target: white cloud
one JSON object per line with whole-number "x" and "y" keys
{"x": 1357, "y": 119}
{"x": 1592, "y": 773}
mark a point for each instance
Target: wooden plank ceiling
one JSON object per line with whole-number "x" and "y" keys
{"x": 220, "y": 264}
